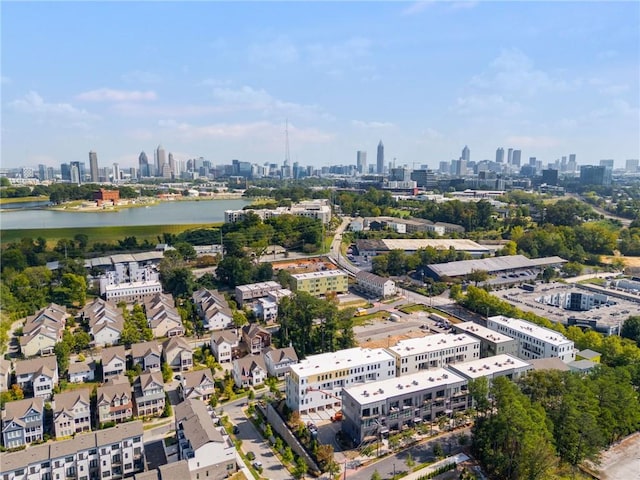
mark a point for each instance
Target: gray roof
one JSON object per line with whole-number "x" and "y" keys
{"x": 110, "y": 353}
{"x": 225, "y": 335}
{"x": 143, "y": 349}
{"x": 147, "y": 378}
{"x": 582, "y": 365}
{"x": 588, "y": 354}
{"x": 46, "y": 365}
{"x": 195, "y": 378}
{"x": 491, "y": 265}
{"x": 81, "y": 367}
{"x": 552, "y": 363}
{"x": 66, "y": 400}
{"x": 197, "y": 424}
{"x": 175, "y": 470}
{"x": 176, "y": 342}
{"x": 120, "y": 431}
{"x": 278, "y": 354}
{"x": 250, "y": 362}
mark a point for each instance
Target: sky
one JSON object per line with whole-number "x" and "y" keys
{"x": 221, "y": 80}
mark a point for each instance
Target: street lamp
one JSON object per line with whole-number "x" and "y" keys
{"x": 394, "y": 471}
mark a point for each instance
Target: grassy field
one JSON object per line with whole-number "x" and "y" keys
{"x": 100, "y": 234}
{"x": 5, "y": 201}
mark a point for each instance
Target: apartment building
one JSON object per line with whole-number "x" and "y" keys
{"x": 433, "y": 351}
{"x": 37, "y": 376}
{"x": 316, "y": 382}
{"x": 253, "y": 291}
{"x": 317, "y": 209}
{"x": 502, "y": 365}
{"x": 112, "y": 453}
{"x": 380, "y": 408}
{"x": 375, "y": 285}
{"x": 22, "y": 422}
{"x": 72, "y": 412}
{"x": 534, "y": 341}
{"x": 320, "y": 283}
{"x": 207, "y": 448}
{"x": 491, "y": 342}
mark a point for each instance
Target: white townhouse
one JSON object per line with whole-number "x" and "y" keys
{"x": 249, "y": 371}
{"x": 162, "y": 316}
{"x": 502, "y": 365}
{"x": 111, "y": 453}
{"x": 433, "y": 351}
{"x": 213, "y": 309}
{"x": 178, "y": 354}
{"x": 534, "y": 341}
{"x": 105, "y": 322}
{"x": 491, "y": 342}
{"x": 207, "y": 448}
{"x": 198, "y": 384}
{"x": 37, "y": 376}
{"x": 80, "y": 372}
{"x": 147, "y": 354}
{"x": 279, "y": 361}
{"x": 375, "y": 284}
{"x": 114, "y": 362}
{"x": 316, "y": 382}
{"x": 223, "y": 344}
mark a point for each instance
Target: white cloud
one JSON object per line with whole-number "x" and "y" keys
{"x": 513, "y": 72}
{"x": 417, "y": 7}
{"x": 32, "y": 103}
{"x": 278, "y": 51}
{"x": 363, "y": 124}
{"x": 614, "y": 89}
{"x": 111, "y": 95}
{"x": 132, "y": 109}
{"x": 487, "y": 104}
{"x": 339, "y": 56}
{"x": 141, "y": 76}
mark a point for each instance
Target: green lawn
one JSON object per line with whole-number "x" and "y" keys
{"x": 5, "y": 201}
{"x": 101, "y": 234}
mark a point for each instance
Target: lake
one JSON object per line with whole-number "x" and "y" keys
{"x": 163, "y": 213}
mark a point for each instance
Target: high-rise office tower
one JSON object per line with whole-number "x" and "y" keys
{"x": 607, "y": 163}
{"x": 161, "y": 159}
{"x": 43, "y": 174}
{"x": 500, "y": 155}
{"x": 380, "y": 158}
{"x": 631, "y": 165}
{"x": 361, "y": 162}
{"x": 466, "y": 154}
{"x": 509, "y": 156}
{"x": 77, "y": 172}
{"x": 65, "y": 172}
{"x": 533, "y": 161}
{"x": 116, "y": 173}
{"x": 143, "y": 166}
{"x": 172, "y": 164}
{"x": 515, "y": 158}
{"x": 93, "y": 166}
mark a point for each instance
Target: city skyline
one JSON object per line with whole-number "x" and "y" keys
{"x": 428, "y": 78}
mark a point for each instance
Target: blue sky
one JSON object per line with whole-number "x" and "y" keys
{"x": 219, "y": 80}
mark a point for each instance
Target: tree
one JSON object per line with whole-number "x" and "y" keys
{"x": 16, "y": 392}
{"x": 167, "y": 373}
{"x": 300, "y": 469}
{"x": 438, "y": 451}
{"x": 268, "y": 431}
{"x": 478, "y": 276}
{"x": 409, "y": 460}
{"x": 62, "y": 351}
{"x": 376, "y": 475}
{"x": 168, "y": 411}
{"x": 631, "y": 329}
{"x": 287, "y": 454}
{"x": 572, "y": 269}
{"x": 479, "y": 391}
{"x": 278, "y": 445}
{"x": 186, "y": 250}
{"x": 72, "y": 290}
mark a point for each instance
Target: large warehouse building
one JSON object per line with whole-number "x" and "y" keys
{"x": 373, "y": 247}
{"x": 493, "y": 266}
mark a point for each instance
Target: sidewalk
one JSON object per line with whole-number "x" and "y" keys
{"x": 458, "y": 458}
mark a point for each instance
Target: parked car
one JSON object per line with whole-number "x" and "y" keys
{"x": 257, "y": 465}
{"x": 236, "y": 430}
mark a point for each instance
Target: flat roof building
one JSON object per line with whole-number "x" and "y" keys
{"x": 491, "y": 342}
{"x": 316, "y": 382}
{"x": 534, "y": 341}
{"x": 492, "y": 266}
{"x": 252, "y": 291}
{"x": 498, "y": 366}
{"x": 370, "y": 248}
{"x": 320, "y": 283}
{"x": 379, "y": 408}
{"x": 433, "y": 351}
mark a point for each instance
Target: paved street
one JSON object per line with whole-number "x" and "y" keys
{"x": 420, "y": 453}
{"x": 252, "y": 441}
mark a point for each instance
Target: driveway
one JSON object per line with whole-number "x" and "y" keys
{"x": 252, "y": 441}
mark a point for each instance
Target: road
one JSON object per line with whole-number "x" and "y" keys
{"x": 420, "y": 453}
{"x": 624, "y": 221}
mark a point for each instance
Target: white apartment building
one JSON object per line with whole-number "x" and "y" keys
{"x": 318, "y": 209}
{"x": 493, "y": 367}
{"x": 491, "y": 342}
{"x": 252, "y": 291}
{"x": 316, "y": 382}
{"x": 534, "y": 341}
{"x": 112, "y": 453}
{"x": 375, "y": 284}
{"x": 433, "y": 351}
{"x": 132, "y": 292}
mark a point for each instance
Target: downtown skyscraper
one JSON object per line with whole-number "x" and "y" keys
{"x": 161, "y": 159}
{"x": 93, "y": 166}
{"x": 500, "y": 155}
{"x": 380, "y": 159}
{"x": 361, "y": 162}
{"x": 143, "y": 166}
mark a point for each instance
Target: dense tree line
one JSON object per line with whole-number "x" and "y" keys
{"x": 372, "y": 203}
{"x": 471, "y": 215}
{"x": 553, "y": 416}
{"x": 313, "y": 325}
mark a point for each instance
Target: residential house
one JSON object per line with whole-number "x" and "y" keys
{"x": 213, "y": 309}
{"x": 72, "y": 412}
{"x": 162, "y": 316}
{"x": 197, "y": 385}
{"x": 80, "y": 372}
{"x": 105, "y": 322}
{"x": 115, "y": 400}
{"x": 22, "y": 422}
{"x": 590, "y": 355}
{"x": 279, "y": 360}
{"x": 169, "y": 471}
{"x": 249, "y": 371}
{"x": 265, "y": 310}
{"x": 178, "y": 354}
{"x": 148, "y": 392}
{"x": 255, "y": 338}
{"x": 208, "y": 450}
{"x": 224, "y": 345}
{"x": 111, "y": 453}
{"x": 147, "y": 354}
{"x": 37, "y": 376}
{"x": 43, "y": 330}
{"x": 114, "y": 362}
{"x": 5, "y": 374}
